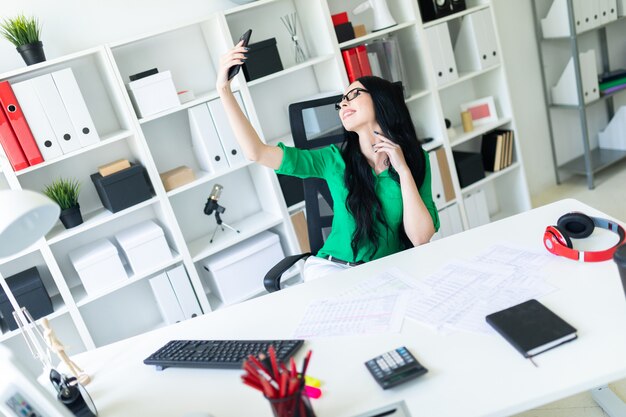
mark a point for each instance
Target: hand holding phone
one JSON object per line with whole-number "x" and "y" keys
{"x": 234, "y": 70}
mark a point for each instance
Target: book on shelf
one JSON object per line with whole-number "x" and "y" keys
{"x": 351, "y": 63}
{"x": 364, "y": 63}
{"x": 497, "y": 150}
{"x": 531, "y": 327}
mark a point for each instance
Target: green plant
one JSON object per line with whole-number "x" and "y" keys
{"x": 64, "y": 192}
{"x": 21, "y": 30}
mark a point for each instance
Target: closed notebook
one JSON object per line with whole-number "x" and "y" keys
{"x": 531, "y": 327}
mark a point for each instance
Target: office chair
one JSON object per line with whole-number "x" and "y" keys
{"x": 314, "y": 124}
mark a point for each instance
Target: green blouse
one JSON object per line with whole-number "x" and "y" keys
{"x": 327, "y": 163}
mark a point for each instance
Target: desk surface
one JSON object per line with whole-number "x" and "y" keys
{"x": 470, "y": 374}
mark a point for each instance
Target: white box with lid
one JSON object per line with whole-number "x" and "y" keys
{"x": 153, "y": 94}
{"x": 144, "y": 246}
{"x": 98, "y": 265}
{"x": 236, "y": 273}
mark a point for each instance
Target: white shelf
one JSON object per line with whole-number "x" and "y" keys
{"x": 447, "y": 204}
{"x": 83, "y": 299}
{"x": 93, "y": 219}
{"x": 246, "y": 7}
{"x": 31, "y": 249}
{"x": 248, "y": 227}
{"x": 490, "y": 176}
{"x": 202, "y": 98}
{"x": 456, "y": 15}
{"x": 297, "y": 67}
{"x": 416, "y": 96}
{"x": 202, "y": 177}
{"x": 465, "y": 76}
{"x": 58, "y": 307}
{"x": 104, "y": 141}
{"x": 296, "y": 207}
{"x": 375, "y": 35}
{"x": 478, "y": 131}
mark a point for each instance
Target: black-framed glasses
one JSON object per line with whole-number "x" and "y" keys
{"x": 350, "y": 95}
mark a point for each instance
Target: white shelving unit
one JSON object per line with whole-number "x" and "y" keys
{"x": 251, "y": 193}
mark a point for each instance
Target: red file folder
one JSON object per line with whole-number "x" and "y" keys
{"x": 10, "y": 144}
{"x": 351, "y": 62}
{"x": 13, "y": 112}
{"x": 364, "y": 62}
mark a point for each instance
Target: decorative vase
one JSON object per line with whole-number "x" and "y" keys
{"x": 71, "y": 217}
{"x": 32, "y": 53}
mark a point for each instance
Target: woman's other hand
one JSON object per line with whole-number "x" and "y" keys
{"x": 236, "y": 56}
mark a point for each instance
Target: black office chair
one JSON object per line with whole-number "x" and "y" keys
{"x": 314, "y": 124}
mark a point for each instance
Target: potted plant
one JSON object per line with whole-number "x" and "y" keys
{"x": 65, "y": 194}
{"x": 23, "y": 32}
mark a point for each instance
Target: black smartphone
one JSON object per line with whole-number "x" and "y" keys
{"x": 234, "y": 70}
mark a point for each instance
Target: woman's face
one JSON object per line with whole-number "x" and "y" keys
{"x": 356, "y": 108}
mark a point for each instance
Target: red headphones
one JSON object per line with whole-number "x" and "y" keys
{"x": 577, "y": 225}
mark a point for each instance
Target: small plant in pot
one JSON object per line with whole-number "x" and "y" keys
{"x": 65, "y": 194}
{"x": 23, "y": 32}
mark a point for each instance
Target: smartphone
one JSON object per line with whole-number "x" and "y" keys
{"x": 234, "y": 70}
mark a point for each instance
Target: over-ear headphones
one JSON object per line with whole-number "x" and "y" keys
{"x": 576, "y": 225}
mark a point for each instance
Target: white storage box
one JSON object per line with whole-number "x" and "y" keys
{"x": 98, "y": 265}
{"x": 153, "y": 94}
{"x": 236, "y": 273}
{"x": 144, "y": 245}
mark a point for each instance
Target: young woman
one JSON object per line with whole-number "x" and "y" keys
{"x": 380, "y": 181}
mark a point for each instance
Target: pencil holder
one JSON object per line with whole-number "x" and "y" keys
{"x": 295, "y": 405}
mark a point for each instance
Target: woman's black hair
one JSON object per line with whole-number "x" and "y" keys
{"x": 395, "y": 123}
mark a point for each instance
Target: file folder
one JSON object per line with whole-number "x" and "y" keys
{"x": 205, "y": 141}
{"x": 166, "y": 299}
{"x": 227, "y": 136}
{"x": 476, "y": 47}
{"x": 37, "y": 120}
{"x": 476, "y": 209}
{"x": 612, "y": 137}
{"x": 440, "y": 46}
{"x": 11, "y": 146}
{"x": 184, "y": 292}
{"x": 55, "y": 111}
{"x": 556, "y": 22}
{"x": 621, "y": 8}
{"x": 13, "y": 112}
{"x": 564, "y": 92}
{"x": 76, "y": 107}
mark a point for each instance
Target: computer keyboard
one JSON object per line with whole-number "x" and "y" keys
{"x": 225, "y": 354}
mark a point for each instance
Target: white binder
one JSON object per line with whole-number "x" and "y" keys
{"x": 621, "y": 8}
{"x": 564, "y": 92}
{"x": 432, "y": 38}
{"x": 56, "y": 113}
{"x": 166, "y": 299}
{"x": 440, "y": 46}
{"x": 184, "y": 292}
{"x": 227, "y": 136}
{"x": 76, "y": 107}
{"x": 556, "y": 22}
{"x": 447, "y": 53}
{"x": 476, "y": 47}
{"x": 454, "y": 214}
{"x": 205, "y": 141}
{"x": 613, "y": 136}
{"x": 445, "y": 229}
{"x": 476, "y": 209}
{"x": 436, "y": 183}
{"x": 37, "y": 120}
{"x": 608, "y": 11}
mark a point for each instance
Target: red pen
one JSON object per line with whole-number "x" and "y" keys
{"x": 307, "y": 358}
{"x": 294, "y": 371}
{"x": 272, "y": 353}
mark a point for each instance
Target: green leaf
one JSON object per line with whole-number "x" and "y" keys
{"x": 64, "y": 192}
{"x": 21, "y": 30}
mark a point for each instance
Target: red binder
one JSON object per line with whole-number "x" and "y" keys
{"x": 351, "y": 62}
{"x": 10, "y": 144}
{"x": 364, "y": 62}
{"x": 13, "y": 112}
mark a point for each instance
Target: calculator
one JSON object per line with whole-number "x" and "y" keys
{"x": 395, "y": 367}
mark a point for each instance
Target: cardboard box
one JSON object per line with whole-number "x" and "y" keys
{"x": 98, "y": 265}
{"x": 153, "y": 94}
{"x": 177, "y": 177}
{"x": 236, "y": 274}
{"x": 302, "y": 231}
{"x": 144, "y": 246}
{"x": 113, "y": 167}
{"x": 359, "y": 30}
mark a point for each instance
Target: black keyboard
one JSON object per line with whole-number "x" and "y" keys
{"x": 225, "y": 354}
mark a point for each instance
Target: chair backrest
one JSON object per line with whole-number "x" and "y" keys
{"x": 315, "y": 124}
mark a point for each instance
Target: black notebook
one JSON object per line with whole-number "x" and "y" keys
{"x": 531, "y": 327}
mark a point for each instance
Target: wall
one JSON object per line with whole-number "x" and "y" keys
{"x": 73, "y": 25}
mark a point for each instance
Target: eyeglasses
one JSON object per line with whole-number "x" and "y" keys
{"x": 349, "y": 96}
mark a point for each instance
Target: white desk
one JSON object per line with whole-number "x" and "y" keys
{"x": 470, "y": 375}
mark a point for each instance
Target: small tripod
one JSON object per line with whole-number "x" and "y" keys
{"x": 212, "y": 206}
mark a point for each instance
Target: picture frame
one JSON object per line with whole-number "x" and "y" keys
{"x": 483, "y": 110}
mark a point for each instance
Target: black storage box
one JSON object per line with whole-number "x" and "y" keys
{"x": 123, "y": 189}
{"x": 469, "y": 167}
{"x": 263, "y": 59}
{"x": 344, "y": 32}
{"x": 29, "y": 292}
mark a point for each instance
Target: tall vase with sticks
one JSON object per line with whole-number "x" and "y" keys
{"x": 291, "y": 24}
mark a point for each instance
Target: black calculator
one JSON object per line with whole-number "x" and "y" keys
{"x": 395, "y": 367}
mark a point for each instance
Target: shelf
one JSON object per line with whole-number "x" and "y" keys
{"x": 375, "y": 35}
{"x": 246, "y": 7}
{"x": 468, "y": 76}
{"x": 447, "y": 204}
{"x": 83, "y": 299}
{"x": 250, "y": 226}
{"x": 93, "y": 219}
{"x": 296, "y": 207}
{"x": 50, "y": 63}
{"x": 416, "y": 96}
{"x": 104, "y": 141}
{"x": 478, "y": 131}
{"x": 456, "y": 15}
{"x": 562, "y": 38}
{"x": 202, "y": 177}
{"x": 202, "y": 98}
{"x": 490, "y": 176}
{"x": 591, "y": 103}
{"x": 58, "y": 307}
{"x": 600, "y": 159}
{"x": 297, "y": 67}
{"x": 31, "y": 249}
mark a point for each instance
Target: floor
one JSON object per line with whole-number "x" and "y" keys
{"x": 609, "y": 196}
